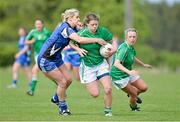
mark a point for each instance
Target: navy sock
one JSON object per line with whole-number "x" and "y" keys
{"x": 62, "y": 105}
{"x": 55, "y": 97}
{"x": 14, "y": 82}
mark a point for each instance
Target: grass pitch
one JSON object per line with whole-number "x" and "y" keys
{"x": 160, "y": 103}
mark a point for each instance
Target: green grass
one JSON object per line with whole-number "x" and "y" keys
{"x": 160, "y": 103}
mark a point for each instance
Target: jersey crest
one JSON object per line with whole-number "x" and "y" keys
{"x": 64, "y": 33}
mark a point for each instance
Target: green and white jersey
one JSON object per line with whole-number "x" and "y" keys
{"x": 93, "y": 57}
{"x": 125, "y": 54}
{"x": 40, "y": 38}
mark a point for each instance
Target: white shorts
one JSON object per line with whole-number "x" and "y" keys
{"x": 90, "y": 74}
{"x": 120, "y": 84}
{"x": 35, "y": 58}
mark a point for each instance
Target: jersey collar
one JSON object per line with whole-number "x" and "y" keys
{"x": 127, "y": 43}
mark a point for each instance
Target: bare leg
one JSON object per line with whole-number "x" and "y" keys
{"x": 28, "y": 72}
{"x": 15, "y": 69}
{"x": 76, "y": 73}
{"x": 66, "y": 75}
{"x": 93, "y": 89}
{"x": 132, "y": 92}
{"x": 35, "y": 71}
{"x": 140, "y": 85}
{"x": 62, "y": 84}
{"x": 68, "y": 65}
{"x": 61, "y": 89}
{"x": 106, "y": 82}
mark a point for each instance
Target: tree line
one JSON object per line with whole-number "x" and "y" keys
{"x": 157, "y": 24}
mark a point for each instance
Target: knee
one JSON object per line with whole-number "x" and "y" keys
{"x": 69, "y": 81}
{"x": 144, "y": 89}
{"x": 77, "y": 78}
{"x": 107, "y": 91}
{"x": 95, "y": 94}
{"x": 62, "y": 84}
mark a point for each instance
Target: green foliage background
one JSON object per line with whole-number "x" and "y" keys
{"x": 157, "y": 24}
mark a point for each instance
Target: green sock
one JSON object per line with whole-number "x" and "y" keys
{"x": 33, "y": 85}
{"x": 107, "y": 110}
{"x": 133, "y": 106}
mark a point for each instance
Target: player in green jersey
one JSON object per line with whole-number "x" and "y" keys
{"x": 93, "y": 66}
{"x": 122, "y": 74}
{"x": 36, "y": 37}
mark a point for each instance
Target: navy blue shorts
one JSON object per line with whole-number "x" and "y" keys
{"x": 73, "y": 59}
{"x": 23, "y": 60}
{"x": 46, "y": 65}
{"x": 71, "y": 56}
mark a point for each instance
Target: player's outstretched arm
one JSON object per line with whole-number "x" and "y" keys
{"x": 137, "y": 60}
{"x": 85, "y": 40}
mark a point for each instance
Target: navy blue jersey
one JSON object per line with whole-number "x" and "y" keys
{"x": 21, "y": 45}
{"x": 53, "y": 46}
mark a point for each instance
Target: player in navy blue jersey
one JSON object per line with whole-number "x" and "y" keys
{"x": 71, "y": 57}
{"x": 50, "y": 59}
{"x": 22, "y": 59}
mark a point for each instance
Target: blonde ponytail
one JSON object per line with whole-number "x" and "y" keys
{"x": 68, "y": 13}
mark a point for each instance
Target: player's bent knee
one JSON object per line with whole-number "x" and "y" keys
{"x": 107, "y": 91}
{"x": 77, "y": 78}
{"x": 69, "y": 81}
{"x": 62, "y": 84}
{"x": 94, "y": 94}
{"x": 144, "y": 89}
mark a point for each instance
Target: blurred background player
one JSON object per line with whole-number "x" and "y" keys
{"x": 116, "y": 42}
{"x": 122, "y": 74}
{"x": 22, "y": 59}
{"x": 37, "y": 37}
{"x": 72, "y": 60}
